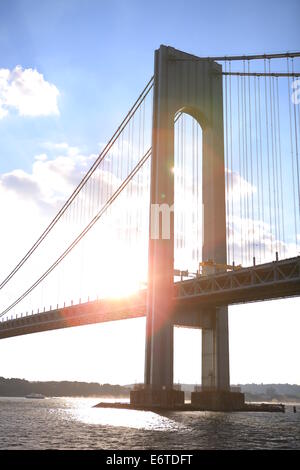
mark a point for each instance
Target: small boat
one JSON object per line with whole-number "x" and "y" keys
{"x": 35, "y": 395}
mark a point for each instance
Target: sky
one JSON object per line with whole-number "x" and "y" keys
{"x": 69, "y": 71}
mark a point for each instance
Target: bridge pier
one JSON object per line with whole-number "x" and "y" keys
{"x": 215, "y": 392}
{"x": 215, "y": 353}
{"x": 208, "y": 359}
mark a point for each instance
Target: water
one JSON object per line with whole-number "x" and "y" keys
{"x": 72, "y": 423}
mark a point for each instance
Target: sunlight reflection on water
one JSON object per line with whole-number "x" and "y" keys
{"x": 82, "y": 410}
{"x": 125, "y": 418}
{"x": 73, "y": 423}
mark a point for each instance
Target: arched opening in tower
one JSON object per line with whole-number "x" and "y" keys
{"x": 188, "y": 233}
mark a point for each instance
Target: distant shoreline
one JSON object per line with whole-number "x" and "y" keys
{"x": 119, "y": 397}
{"x": 108, "y": 397}
{"x": 14, "y": 388}
{"x": 20, "y": 388}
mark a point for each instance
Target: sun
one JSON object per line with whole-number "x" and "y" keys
{"x": 118, "y": 271}
{"x": 121, "y": 285}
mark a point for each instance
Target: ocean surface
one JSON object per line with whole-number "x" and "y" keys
{"x": 73, "y": 423}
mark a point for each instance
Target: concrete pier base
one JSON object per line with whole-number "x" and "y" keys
{"x": 148, "y": 397}
{"x": 254, "y": 407}
{"x": 218, "y": 400}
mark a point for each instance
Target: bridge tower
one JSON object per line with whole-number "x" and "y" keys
{"x": 183, "y": 82}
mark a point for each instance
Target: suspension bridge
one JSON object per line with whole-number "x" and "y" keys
{"x": 192, "y": 206}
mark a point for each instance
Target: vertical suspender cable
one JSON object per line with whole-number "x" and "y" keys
{"x": 279, "y": 235}
{"x": 246, "y": 168}
{"x": 251, "y": 163}
{"x": 280, "y": 169}
{"x": 292, "y": 157}
{"x": 243, "y": 195}
{"x": 296, "y": 147}
{"x": 257, "y": 168}
{"x": 231, "y": 168}
{"x": 240, "y": 170}
{"x": 268, "y": 158}
{"x": 227, "y": 169}
{"x": 194, "y": 202}
{"x": 261, "y": 168}
{"x": 198, "y": 195}
{"x": 273, "y": 155}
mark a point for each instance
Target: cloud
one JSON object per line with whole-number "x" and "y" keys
{"x": 42, "y": 157}
{"x": 50, "y": 181}
{"x": 22, "y": 183}
{"x": 249, "y": 237}
{"x": 26, "y": 91}
{"x": 238, "y": 187}
{"x": 61, "y": 146}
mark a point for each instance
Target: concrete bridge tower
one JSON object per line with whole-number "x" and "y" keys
{"x": 183, "y": 82}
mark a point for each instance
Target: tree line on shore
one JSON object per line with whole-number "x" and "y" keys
{"x": 21, "y": 387}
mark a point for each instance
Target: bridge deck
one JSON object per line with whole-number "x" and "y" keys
{"x": 262, "y": 282}
{"x": 274, "y": 280}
